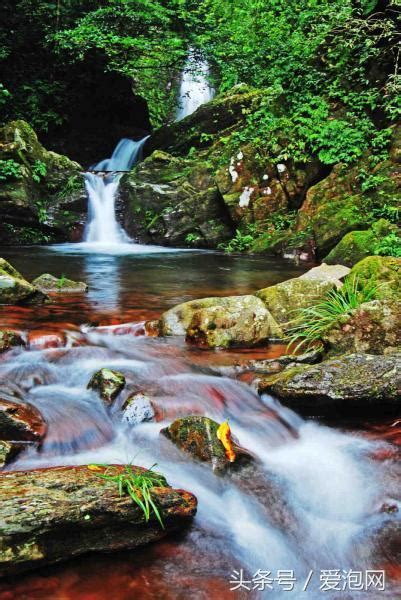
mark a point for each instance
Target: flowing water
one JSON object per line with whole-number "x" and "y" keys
{"x": 313, "y": 498}
{"x": 195, "y": 88}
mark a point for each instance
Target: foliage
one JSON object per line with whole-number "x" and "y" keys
{"x": 192, "y": 238}
{"x": 390, "y": 245}
{"x": 39, "y": 170}
{"x": 61, "y": 281}
{"x": 41, "y": 210}
{"x": 9, "y": 170}
{"x": 138, "y": 484}
{"x": 311, "y": 323}
{"x": 239, "y": 243}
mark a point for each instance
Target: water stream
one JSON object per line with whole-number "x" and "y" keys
{"x": 195, "y": 88}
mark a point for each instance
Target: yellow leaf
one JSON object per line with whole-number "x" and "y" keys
{"x": 224, "y": 435}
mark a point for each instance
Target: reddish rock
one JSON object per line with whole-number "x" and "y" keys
{"x": 21, "y": 422}
{"x": 41, "y": 340}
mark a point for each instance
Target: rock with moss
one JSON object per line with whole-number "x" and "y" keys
{"x": 284, "y": 299}
{"x": 222, "y": 322}
{"x": 14, "y": 289}
{"x": 10, "y": 339}
{"x": 382, "y": 272}
{"x": 59, "y": 285}
{"x": 9, "y": 451}
{"x": 374, "y": 328}
{"x": 71, "y": 511}
{"x": 357, "y": 245}
{"x": 197, "y": 436}
{"x": 348, "y": 386}
{"x": 108, "y": 383}
{"x": 36, "y": 192}
{"x": 172, "y": 201}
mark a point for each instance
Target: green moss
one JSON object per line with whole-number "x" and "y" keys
{"x": 382, "y": 271}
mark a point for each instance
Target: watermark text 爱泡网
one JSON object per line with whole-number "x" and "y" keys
{"x": 327, "y": 580}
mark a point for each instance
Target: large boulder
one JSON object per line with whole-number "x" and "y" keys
{"x": 174, "y": 201}
{"x": 108, "y": 383}
{"x": 70, "y": 511}
{"x": 59, "y": 285}
{"x": 14, "y": 289}
{"x": 351, "y": 385}
{"x": 357, "y": 245}
{"x": 42, "y": 195}
{"x": 374, "y": 327}
{"x": 20, "y": 421}
{"x": 383, "y": 272}
{"x": 222, "y": 322}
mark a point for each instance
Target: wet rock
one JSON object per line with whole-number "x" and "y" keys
{"x": 137, "y": 409}
{"x": 385, "y": 542}
{"x": 41, "y": 340}
{"x": 374, "y": 327}
{"x": 222, "y": 322}
{"x": 284, "y": 299}
{"x": 14, "y": 289}
{"x": 71, "y": 511}
{"x": 49, "y": 284}
{"x": 152, "y": 328}
{"x": 108, "y": 383}
{"x": 351, "y": 385}
{"x": 381, "y": 271}
{"x": 197, "y": 436}
{"x": 271, "y": 366}
{"x": 9, "y": 339}
{"x": 8, "y": 451}
{"x": 20, "y": 422}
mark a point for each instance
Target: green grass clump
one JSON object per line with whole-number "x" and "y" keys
{"x": 311, "y": 323}
{"x": 137, "y": 483}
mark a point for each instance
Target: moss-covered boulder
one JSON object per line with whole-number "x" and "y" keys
{"x": 174, "y": 201}
{"x": 374, "y": 327}
{"x": 222, "y": 322}
{"x": 9, "y": 339}
{"x": 41, "y": 193}
{"x": 59, "y": 285}
{"x": 381, "y": 271}
{"x": 198, "y": 437}
{"x": 352, "y": 385}
{"x": 14, "y": 289}
{"x": 357, "y": 245}
{"x": 71, "y": 511}
{"x": 108, "y": 383}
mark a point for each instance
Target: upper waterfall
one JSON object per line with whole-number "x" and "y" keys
{"x": 195, "y": 88}
{"x": 102, "y": 226}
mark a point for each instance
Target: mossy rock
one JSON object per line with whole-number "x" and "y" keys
{"x": 49, "y": 284}
{"x": 381, "y": 271}
{"x": 108, "y": 383}
{"x": 14, "y": 289}
{"x": 9, "y": 339}
{"x": 356, "y": 245}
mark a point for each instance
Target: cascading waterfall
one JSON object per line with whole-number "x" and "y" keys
{"x": 101, "y": 185}
{"x": 195, "y": 88}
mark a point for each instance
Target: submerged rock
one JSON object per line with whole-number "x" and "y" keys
{"x": 9, "y": 339}
{"x": 198, "y": 436}
{"x": 108, "y": 383}
{"x": 222, "y": 322}
{"x": 374, "y": 327}
{"x": 137, "y": 409}
{"x": 14, "y": 289}
{"x": 70, "y": 511}
{"x": 49, "y": 284}
{"x": 351, "y": 385}
{"x": 21, "y": 422}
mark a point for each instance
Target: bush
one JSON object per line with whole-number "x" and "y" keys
{"x": 9, "y": 170}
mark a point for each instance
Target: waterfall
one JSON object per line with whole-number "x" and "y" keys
{"x": 195, "y": 88}
{"x": 101, "y": 185}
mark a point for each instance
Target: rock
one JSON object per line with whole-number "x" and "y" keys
{"x": 222, "y": 322}
{"x": 108, "y": 383}
{"x": 9, "y": 339}
{"x": 45, "y": 199}
{"x": 49, "y": 284}
{"x": 14, "y": 289}
{"x": 137, "y": 409}
{"x": 284, "y": 299}
{"x": 276, "y": 365}
{"x": 174, "y": 201}
{"x": 21, "y": 422}
{"x": 357, "y": 245}
{"x": 381, "y": 271}
{"x": 197, "y": 436}
{"x": 70, "y": 511}
{"x": 41, "y": 340}
{"x": 373, "y": 328}
{"x": 351, "y": 385}
{"x": 324, "y": 272}
{"x": 8, "y": 451}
